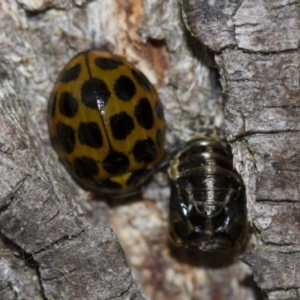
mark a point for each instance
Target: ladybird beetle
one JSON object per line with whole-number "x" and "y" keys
{"x": 208, "y": 205}
{"x": 106, "y": 122}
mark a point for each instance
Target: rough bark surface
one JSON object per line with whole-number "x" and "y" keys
{"x": 257, "y": 45}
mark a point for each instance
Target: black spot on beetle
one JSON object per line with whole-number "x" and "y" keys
{"x": 159, "y": 110}
{"x": 121, "y": 125}
{"x": 142, "y": 80}
{"x": 159, "y": 138}
{"x": 70, "y": 74}
{"x": 68, "y": 105}
{"x": 66, "y": 137}
{"x": 90, "y": 134}
{"x": 52, "y": 105}
{"x": 115, "y": 163}
{"x": 144, "y": 114}
{"x": 138, "y": 177}
{"x": 95, "y": 93}
{"x": 108, "y": 184}
{"x": 53, "y": 141}
{"x": 107, "y": 63}
{"x": 85, "y": 167}
{"x": 124, "y": 88}
{"x": 144, "y": 150}
{"x": 67, "y": 164}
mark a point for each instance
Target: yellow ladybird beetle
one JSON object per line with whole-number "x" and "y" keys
{"x": 106, "y": 123}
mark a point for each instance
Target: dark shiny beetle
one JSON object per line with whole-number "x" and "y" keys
{"x": 207, "y": 206}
